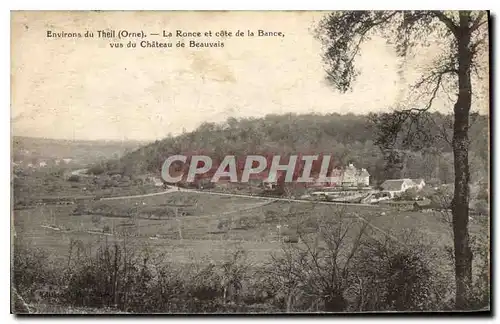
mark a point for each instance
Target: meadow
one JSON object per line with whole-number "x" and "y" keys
{"x": 188, "y": 225}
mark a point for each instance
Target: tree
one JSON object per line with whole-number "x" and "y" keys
{"x": 464, "y": 37}
{"x": 319, "y": 270}
{"x": 410, "y": 194}
{"x": 74, "y": 178}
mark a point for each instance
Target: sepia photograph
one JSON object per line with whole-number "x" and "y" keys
{"x": 250, "y": 162}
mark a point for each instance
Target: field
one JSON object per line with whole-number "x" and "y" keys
{"x": 189, "y": 226}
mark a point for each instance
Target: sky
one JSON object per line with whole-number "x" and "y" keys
{"x": 81, "y": 88}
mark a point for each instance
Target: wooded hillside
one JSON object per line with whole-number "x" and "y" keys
{"x": 348, "y": 138}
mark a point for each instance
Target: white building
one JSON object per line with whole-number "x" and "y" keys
{"x": 396, "y": 187}
{"x": 349, "y": 176}
{"x": 419, "y": 183}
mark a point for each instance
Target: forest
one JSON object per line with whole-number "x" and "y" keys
{"x": 347, "y": 138}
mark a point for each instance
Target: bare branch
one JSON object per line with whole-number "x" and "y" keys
{"x": 475, "y": 45}
{"x": 343, "y": 35}
{"x": 447, "y": 21}
{"x": 477, "y": 22}
{"x": 355, "y": 246}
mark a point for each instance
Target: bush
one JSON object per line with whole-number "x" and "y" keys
{"x": 330, "y": 271}
{"x": 410, "y": 194}
{"x": 248, "y": 222}
{"x": 117, "y": 277}
{"x": 483, "y": 193}
{"x": 481, "y": 276}
{"x": 74, "y": 178}
{"x": 482, "y": 207}
{"x": 398, "y": 278}
{"x": 31, "y": 272}
{"x": 96, "y": 220}
{"x": 96, "y": 170}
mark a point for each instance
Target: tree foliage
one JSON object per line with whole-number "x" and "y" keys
{"x": 461, "y": 38}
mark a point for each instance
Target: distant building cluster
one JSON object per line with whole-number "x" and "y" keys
{"x": 41, "y": 163}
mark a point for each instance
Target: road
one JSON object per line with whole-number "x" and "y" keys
{"x": 178, "y": 189}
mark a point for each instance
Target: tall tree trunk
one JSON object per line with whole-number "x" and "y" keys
{"x": 460, "y": 205}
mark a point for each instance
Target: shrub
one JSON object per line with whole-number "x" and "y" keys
{"x": 304, "y": 277}
{"x": 481, "y": 272}
{"x": 397, "y": 278}
{"x": 96, "y": 170}
{"x": 74, "y": 178}
{"x": 410, "y": 194}
{"x": 483, "y": 193}
{"x": 248, "y": 221}
{"x": 482, "y": 207}
{"x": 96, "y": 219}
{"x": 223, "y": 225}
{"x": 30, "y": 273}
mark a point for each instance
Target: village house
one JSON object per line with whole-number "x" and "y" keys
{"x": 418, "y": 183}
{"x": 396, "y": 187}
{"x": 350, "y": 176}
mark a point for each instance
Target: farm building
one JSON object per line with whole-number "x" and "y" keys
{"x": 349, "y": 176}
{"x": 419, "y": 183}
{"x": 396, "y": 187}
